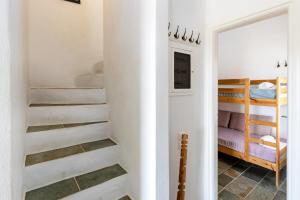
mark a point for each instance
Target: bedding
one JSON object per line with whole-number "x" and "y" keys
{"x": 235, "y": 140}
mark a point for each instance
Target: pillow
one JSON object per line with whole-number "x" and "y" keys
{"x": 237, "y": 121}
{"x": 223, "y": 118}
{"x": 261, "y": 130}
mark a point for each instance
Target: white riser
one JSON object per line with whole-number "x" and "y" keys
{"x": 46, "y": 173}
{"x": 64, "y": 137}
{"x": 51, "y": 115}
{"x": 110, "y": 190}
{"x": 67, "y": 96}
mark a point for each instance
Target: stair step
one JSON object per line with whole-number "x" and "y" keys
{"x": 67, "y": 114}
{"x": 32, "y": 129}
{"x": 67, "y": 95}
{"x": 67, "y": 151}
{"x": 75, "y": 184}
{"x": 51, "y": 137}
{"x": 60, "y": 104}
{"x": 125, "y": 198}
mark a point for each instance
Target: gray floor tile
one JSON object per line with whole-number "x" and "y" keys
{"x": 220, "y": 187}
{"x": 241, "y": 186}
{"x": 280, "y": 196}
{"x": 260, "y": 193}
{"x": 224, "y": 180}
{"x": 269, "y": 184}
{"x": 240, "y": 167}
{"x": 255, "y": 173}
{"x": 282, "y": 174}
{"x": 232, "y": 173}
{"x": 53, "y": 192}
{"x": 98, "y": 144}
{"x": 222, "y": 167}
{"x": 283, "y": 186}
{"x": 226, "y": 195}
{"x": 100, "y": 176}
{"x": 52, "y": 155}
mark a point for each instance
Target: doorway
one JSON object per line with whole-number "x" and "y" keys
{"x": 211, "y": 100}
{"x": 252, "y": 110}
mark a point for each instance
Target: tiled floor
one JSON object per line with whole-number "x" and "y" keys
{"x": 241, "y": 180}
{"x": 70, "y": 186}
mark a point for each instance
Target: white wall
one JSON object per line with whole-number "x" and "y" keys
{"x": 19, "y": 88}
{"x": 5, "y": 114}
{"x": 13, "y": 98}
{"x": 184, "y": 111}
{"x": 131, "y": 63}
{"x": 65, "y": 43}
{"x": 253, "y": 51}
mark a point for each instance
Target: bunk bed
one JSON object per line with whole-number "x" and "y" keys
{"x": 243, "y": 144}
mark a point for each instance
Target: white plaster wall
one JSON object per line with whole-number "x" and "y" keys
{"x": 65, "y": 43}
{"x": 13, "y": 98}
{"x": 131, "y": 67}
{"x": 253, "y": 51}
{"x": 19, "y": 88}
{"x": 5, "y": 114}
{"x": 184, "y": 111}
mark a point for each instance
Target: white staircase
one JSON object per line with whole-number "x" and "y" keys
{"x": 70, "y": 153}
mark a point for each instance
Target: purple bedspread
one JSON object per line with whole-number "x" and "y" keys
{"x": 234, "y": 139}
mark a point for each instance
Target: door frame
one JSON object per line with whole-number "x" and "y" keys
{"x": 210, "y": 106}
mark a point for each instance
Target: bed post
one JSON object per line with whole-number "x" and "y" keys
{"x": 247, "y": 106}
{"x": 278, "y": 88}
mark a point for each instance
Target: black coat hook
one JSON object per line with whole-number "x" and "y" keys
{"x": 191, "y": 38}
{"x": 286, "y": 64}
{"x": 198, "y": 41}
{"x": 169, "y": 34}
{"x": 176, "y": 35}
{"x": 184, "y": 37}
{"x": 278, "y": 64}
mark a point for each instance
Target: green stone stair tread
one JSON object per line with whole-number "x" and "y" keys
{"x": 100, "y": 176}
{"x": 67, "y": 104}
{"x": 69, "y": 186}
{"x": 67, "y": 151}
{"x": 125, "y": 198}
{"x": 54, "y": 191}
{"x": 32, "y": 129}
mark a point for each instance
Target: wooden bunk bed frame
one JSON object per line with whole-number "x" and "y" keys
{"x": 281, "y": 99}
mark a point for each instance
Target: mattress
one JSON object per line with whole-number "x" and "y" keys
{"x": 255, "y": 93}
{"x": 234, "y": 139}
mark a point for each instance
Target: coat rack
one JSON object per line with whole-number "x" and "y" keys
{"x": 181, "y": 35}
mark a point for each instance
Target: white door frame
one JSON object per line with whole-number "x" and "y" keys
{"x": 211, "y": 102}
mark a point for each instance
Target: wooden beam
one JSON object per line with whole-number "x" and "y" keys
{"x": 235, "y": 100}
{"x": 233, "y": 81}
{"x": 260, "y": 141}
{"x": 232, "y": 90}
{"x": 263, "y": 123}
{"x": 257, "y": 82}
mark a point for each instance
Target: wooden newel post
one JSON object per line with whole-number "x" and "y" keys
{"x": 182, "y": 168}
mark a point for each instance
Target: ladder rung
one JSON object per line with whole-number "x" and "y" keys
{"x": 263, "y": 123}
